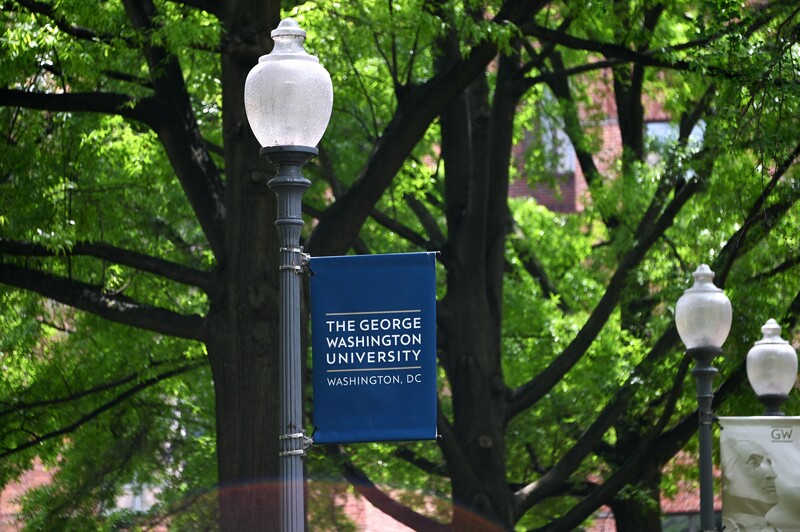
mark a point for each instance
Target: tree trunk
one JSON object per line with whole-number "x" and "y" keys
{"x": 476, "y": 148}
{"x": 641, "y": 508}
{"x": 243, "y": 320}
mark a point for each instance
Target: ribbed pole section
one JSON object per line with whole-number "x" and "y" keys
{"x": 704, "y": 374}
{"x": 289, "y": 186}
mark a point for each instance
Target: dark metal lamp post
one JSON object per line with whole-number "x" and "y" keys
{"x": 288, "y": 99}
{"x": 772, "y": 368}
{"x": 703, "y": 317}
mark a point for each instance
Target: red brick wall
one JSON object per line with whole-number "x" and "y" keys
{"x": 8, "y": 497}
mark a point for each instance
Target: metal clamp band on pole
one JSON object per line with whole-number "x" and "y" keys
{"x": 294, "y": 436}
{"x": 296, "y": 452}
{"x": 307, "y": 443}
{"x": 304, "y": 259}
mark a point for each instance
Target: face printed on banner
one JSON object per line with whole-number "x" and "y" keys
{"x": 752, "y": 475}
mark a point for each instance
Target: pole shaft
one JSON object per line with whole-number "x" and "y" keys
{"x": 704, "y": 374}
{"x": 289, "y": 186}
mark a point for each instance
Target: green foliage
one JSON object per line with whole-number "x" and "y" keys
{"x": 156, "y": 436}
{"x": 111, "y": 409}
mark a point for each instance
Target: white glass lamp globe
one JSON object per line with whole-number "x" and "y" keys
{"x": 703, "y": 313}
{"x": 288, "y": 95}
{"x": 772, "y": 363}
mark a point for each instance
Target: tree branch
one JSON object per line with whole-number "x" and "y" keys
{"x": 143, "y": 110}
{"x": 578, "y": 513}
{"x": 609, "y": 50}
{"x": 786, "y": 265}
{"x": 41, "y": 8}
{"x": 339, "y": 227}
{"x": 428, "y": 221}
{"x": 103, "y": 408}
{"x": 146, "y": 263}
{"x": 646, "y": 236}
{"x": 409, "y": 456}
{"x": 117, "y": 308}
{"x": 400, "y": 229}
{"x": 559, "y": 83}
{"x": 653, "y": 57}
{"x": 179, "y": 131}
{"x": 213, "y": 7}
{"x": 18, "y": 406}
{"x": 760, "y": 216}
{"x": 378, "y": 498}
{"x": 535, "y": 268}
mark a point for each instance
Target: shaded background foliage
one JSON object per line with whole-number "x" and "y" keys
{"x": 138, "y": 277}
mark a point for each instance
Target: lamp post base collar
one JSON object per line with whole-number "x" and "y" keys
{"x": 773, "y": 403}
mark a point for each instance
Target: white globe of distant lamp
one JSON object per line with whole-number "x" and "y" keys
{"x": 288, "y": 95}
{"x": 703, "y": 313}
{"x": 772, "y": 368}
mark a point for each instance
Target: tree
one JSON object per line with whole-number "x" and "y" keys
{"x": 130, "y": 196}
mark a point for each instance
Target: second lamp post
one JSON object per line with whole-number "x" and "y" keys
{"x": 703, "y": 317}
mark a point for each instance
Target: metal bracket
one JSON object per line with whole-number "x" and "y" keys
{"x": 307, "y": 443}
{"x": 304, "y": 260}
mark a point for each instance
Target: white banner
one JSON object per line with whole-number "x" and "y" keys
{"x": 760, "y": 459}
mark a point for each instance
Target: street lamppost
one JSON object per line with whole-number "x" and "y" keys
{"x": 772, "y": 368}
{"x": 703, "y": 317}
{"x": 288, "y": 98}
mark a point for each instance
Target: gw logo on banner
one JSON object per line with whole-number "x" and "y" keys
{"x": 373, "y": 328}
{"x": 781, "y": 434}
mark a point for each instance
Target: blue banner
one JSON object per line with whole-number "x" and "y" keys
{"x": 373, "y": 328}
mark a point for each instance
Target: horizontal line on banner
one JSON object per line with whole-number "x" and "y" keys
{"x": 372, "y": 312}
{"x": 372, "y": 369}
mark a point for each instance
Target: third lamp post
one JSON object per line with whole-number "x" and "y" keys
{"x": 772, "y": 368}
{"x": 703, "y": 318}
